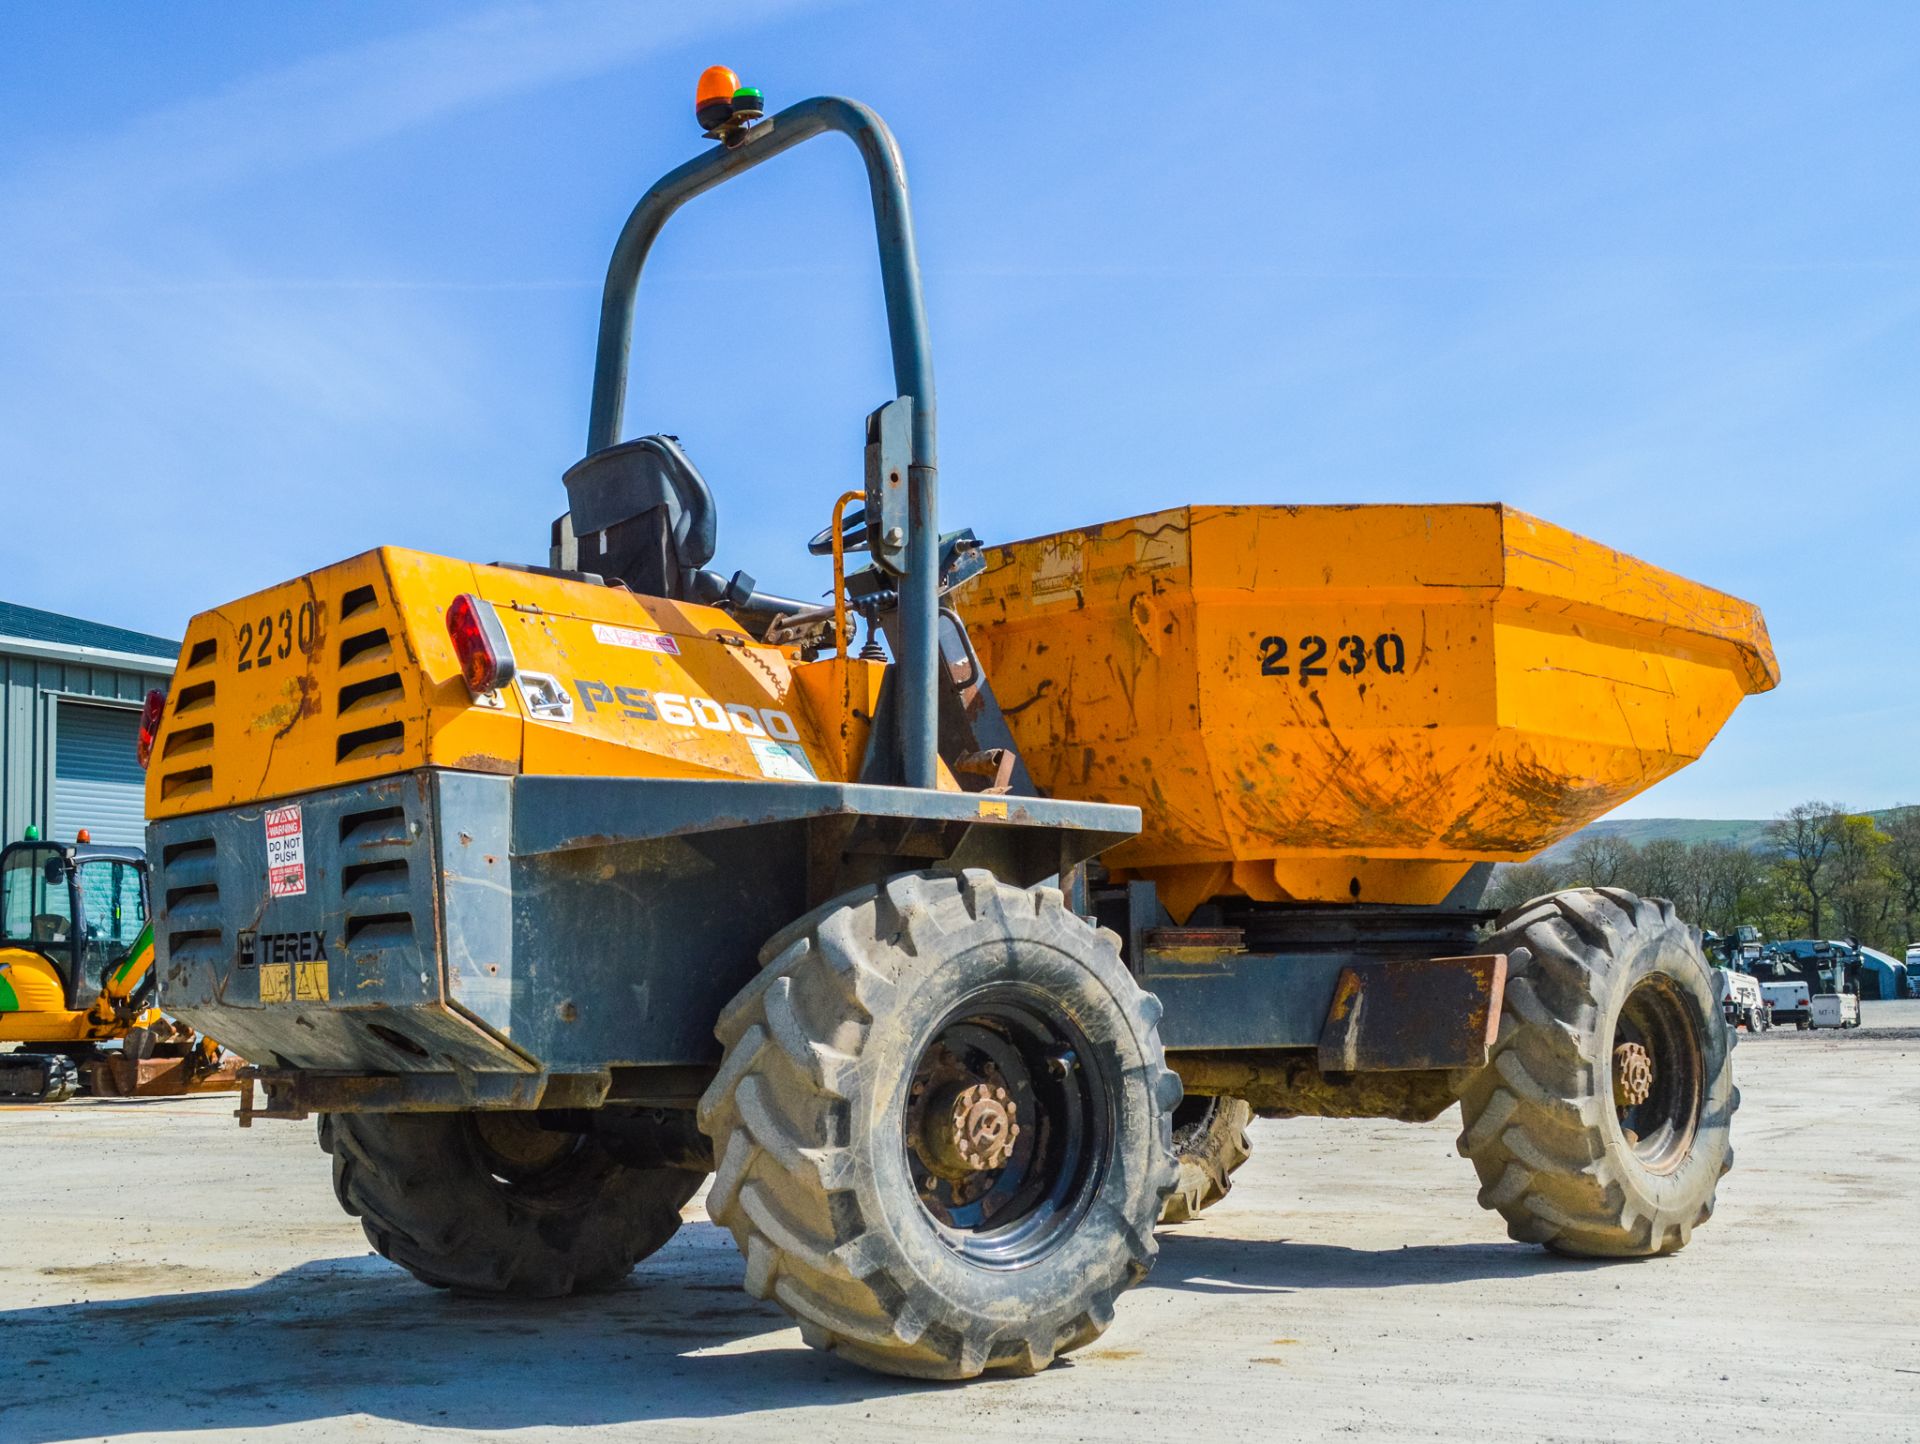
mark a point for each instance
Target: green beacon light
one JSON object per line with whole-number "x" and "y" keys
{"x": 32, "y": 833}
{"x": 748, "y": 103}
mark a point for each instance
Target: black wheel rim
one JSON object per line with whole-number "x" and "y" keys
{"x": 1044, "y": 1164}
{"x": 1659, "y": 1073}
{"x": 523, "y": 1157}
{"x": 1192, "y": 1120}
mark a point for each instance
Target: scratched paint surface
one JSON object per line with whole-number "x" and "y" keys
{"x": 356, "y": 678}
{"x": 1337, "y": 702}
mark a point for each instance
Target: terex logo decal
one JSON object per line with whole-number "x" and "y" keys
{"x": 307, "y": 947}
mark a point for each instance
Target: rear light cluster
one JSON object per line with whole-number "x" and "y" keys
{"x": 150, "y": 716}
{"x": 480, "y": 644}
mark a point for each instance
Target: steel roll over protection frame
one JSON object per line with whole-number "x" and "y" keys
{"x": 917, "y": 709}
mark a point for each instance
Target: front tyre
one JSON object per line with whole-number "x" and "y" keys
{"x": 494, "y": 1203}
{"x": 942, "y": 1120}
{"x": 1600, "y": 1125}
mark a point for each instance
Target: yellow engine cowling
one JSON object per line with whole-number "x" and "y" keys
{"x": 1351, "y": 703}
{"x": 348, "y": 673}
{"x": 33, "y": 1005}
{"x": 33, "y": 1001}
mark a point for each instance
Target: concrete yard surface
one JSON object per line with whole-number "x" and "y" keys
{"x": 169, "y": 1275}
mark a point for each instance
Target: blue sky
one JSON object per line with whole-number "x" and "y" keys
{"x": 280, "y": 282}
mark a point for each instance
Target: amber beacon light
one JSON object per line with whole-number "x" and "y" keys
{"x": 722, "y": 105}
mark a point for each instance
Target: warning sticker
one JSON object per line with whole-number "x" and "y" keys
{"x": 639, "y": 641}
{"x": 784, "y": 760}
{"x": 276, "y": 983}
{"x": 310, "y": 982}
{"x": 1060, "y": 573}
{"x": 286, "y": 852}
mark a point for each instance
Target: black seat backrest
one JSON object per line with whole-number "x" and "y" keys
{"x": 642, "y": 512}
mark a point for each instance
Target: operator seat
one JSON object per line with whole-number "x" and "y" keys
{"x": 642, "y": 513}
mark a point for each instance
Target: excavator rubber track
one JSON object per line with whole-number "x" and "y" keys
{"x": 37, "y": 1078}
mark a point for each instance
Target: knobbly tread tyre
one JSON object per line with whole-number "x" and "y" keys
{"x": 805, "y": 1114}
{"x": 424, "y": 1195}
{"x": 1538, "y": 1121}
{"x": 1208, "y": 1156}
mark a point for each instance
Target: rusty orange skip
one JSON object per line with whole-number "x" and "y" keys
{"x": 1351, "y": 702}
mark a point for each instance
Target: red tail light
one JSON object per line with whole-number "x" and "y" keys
{"x": 150, "y": 716}
{"x": 480, "y": 643}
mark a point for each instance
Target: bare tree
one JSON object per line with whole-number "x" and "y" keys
{"x": 1803, "y": 838}
{"x": 1695, "y": 893}
{"x": 1521, "y": 883}
{"x": 1600, "y": 859}
{"x": 1660, "y": 869}
{"x": 1734, "y": 875}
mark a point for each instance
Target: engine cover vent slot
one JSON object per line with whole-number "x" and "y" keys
{"x": 371, "y": 693}
{"x": 385, "y": 740}
{"x": 374, "y": 646}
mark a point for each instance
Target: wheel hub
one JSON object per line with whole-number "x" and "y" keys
{"x": 968, "y": 1128}
{"x": 1632, "y": 1075}
{"x": 1004, "y": 1127}
{"x": 984, "y": 1124}
{"x": 517, "y": 1147}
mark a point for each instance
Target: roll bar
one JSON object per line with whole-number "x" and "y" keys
{"x": 917, "y": 707}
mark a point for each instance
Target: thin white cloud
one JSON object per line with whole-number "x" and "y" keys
{"x": 332, "y": 103}
{"x": 200, "y": 409}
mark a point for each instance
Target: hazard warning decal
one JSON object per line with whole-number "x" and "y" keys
{"x": 286, "y": 852}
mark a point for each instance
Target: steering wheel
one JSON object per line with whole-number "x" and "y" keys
{"x": 853, "y": 534}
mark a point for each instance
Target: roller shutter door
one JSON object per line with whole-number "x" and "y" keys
{"x": 97, "y": 781}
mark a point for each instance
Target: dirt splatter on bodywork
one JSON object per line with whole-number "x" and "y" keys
{"x": 1353, "y": 702}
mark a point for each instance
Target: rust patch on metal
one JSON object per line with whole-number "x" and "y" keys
{"x": 483, "y": 762}
{"x": 1413, "y": 1014}
{"x": 1209, "y": 940}
{"x": 1289, "y": 1083}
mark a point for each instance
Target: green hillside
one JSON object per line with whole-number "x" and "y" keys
{"x": 1642, "y": 830}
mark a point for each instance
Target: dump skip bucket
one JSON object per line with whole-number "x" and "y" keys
{"x": 1351, "y": 703}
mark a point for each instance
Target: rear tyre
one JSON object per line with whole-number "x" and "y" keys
{"x": 1600, "y": 1126}
{"x": 1209, "y": 1141}
{"x": 943, "y": 1125}
{"x": 492, "y": 1203}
